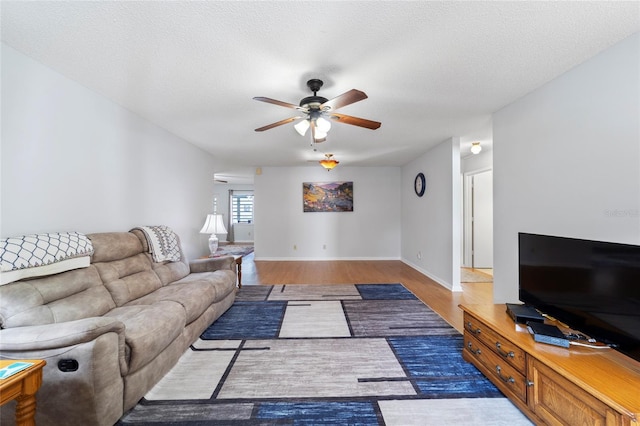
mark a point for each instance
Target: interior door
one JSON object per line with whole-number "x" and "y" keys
{"x": 482, "y": 220}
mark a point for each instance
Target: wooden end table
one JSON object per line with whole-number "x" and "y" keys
{"x": 22, "y": 387}
{"x": 239, "y": 266}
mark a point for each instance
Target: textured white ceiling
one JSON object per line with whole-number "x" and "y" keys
{"x": 432, "y": 69}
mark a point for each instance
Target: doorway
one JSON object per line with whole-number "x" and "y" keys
{"x": 478, "y": 220}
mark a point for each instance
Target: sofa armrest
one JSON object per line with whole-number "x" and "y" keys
{"x": 63, "y": 334}
{"x": 58, "y": 335}
{"x": 212, "y": 264}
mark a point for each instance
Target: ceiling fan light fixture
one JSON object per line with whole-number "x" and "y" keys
{"x": 475, "y": 148}
{"x": 329, "y": 162}
{"x": 302, "y": 127}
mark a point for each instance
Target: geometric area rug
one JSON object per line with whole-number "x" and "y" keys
{"x": 362, "y": 354}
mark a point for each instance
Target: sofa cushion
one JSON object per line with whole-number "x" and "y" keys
{"x": 109, "y": 246}
{"x": 194, "y": 298}
{"x": 128, "y": 279}
{"x": 149, "y": 329}
{"x": 168, "y": 272}
{"x": 222, "y": 282}
{"x": 68, "y": 296}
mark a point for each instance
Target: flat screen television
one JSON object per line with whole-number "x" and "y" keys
{"x": 591, "y": 286}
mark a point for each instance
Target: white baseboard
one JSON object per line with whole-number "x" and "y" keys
{"x": 435, "y": 278}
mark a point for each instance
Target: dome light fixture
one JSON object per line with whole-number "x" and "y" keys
{"x": 475, "y": 148}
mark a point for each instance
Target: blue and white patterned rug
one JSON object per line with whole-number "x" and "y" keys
{"x": 364, "y": 354}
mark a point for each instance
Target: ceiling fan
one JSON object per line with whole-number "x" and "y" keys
{"x": 317, "y": 111}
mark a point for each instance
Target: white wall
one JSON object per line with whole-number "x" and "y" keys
{"x": 567, "y": 160}
{"x": 243, "y": 233}
{"x": 74, "y": 161}
{"x": 371, "y": 231}
{"x": 431, "y": 224}
{"x": 477, "y": 163}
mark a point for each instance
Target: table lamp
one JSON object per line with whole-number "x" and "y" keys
{"x": 213, "y": 225}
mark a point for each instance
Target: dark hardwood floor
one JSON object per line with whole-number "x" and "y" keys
{"x": 440, "y": 299}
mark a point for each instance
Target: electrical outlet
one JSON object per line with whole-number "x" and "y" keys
{"x": 324, "y": 247}
{"x": 419, "y": 255}
{"x": 295, "y": 247}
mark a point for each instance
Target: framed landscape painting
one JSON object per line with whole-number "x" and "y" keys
{"x": 327, "y": 196}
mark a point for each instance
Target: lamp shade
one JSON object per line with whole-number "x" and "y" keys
{"x": 213, "y": 225}
{"x": 475, "y": 148}
{"x": 302, "y": 127}
{"x": 323, "y": 125}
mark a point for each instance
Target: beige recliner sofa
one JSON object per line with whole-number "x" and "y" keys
{"x": 109, "y": 331}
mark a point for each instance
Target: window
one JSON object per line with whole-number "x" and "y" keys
{"x": 241, "y": 207}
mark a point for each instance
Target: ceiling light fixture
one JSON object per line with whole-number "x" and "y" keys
{"x": 321, "y": 127}
{"x": 318, "y": 112}
{"x": 329, "y": 162}
{"x": 475, "y": 148}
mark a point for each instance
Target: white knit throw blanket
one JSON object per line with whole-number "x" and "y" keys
{"x": 164, "y": 244}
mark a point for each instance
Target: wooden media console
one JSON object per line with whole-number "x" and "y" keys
{"x": 551, "y": 384}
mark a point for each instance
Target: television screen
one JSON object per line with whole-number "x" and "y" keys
{"x": 591, "y": 286}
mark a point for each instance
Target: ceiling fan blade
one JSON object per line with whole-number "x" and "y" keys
{"x": 276, "y": 102}
{"x": 279, "y": 123}
{"x": 355, "y": 121}
{"x": 345, "y": 99}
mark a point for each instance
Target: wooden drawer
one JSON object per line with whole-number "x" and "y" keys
{"x": 560, "y": 402}
{"x": 498, "y": 344}
{"x": 500, "y": 372}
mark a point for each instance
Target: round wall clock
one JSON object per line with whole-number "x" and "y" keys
{"x": 419, "y": 184}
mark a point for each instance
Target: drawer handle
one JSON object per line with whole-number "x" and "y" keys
{"x": 477, "y": 351}
{"x": 470, "y": 329}
{"x": 504, "y": 379}
{"x": 504, "y": 354}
